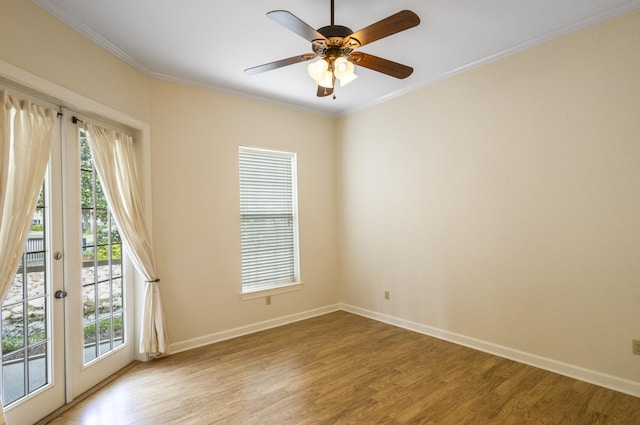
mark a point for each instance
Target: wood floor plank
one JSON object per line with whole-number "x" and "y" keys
{"x": 344, "y": 369}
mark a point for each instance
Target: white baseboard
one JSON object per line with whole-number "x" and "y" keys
{"x": 249, "y": 329}
{"x": 593, "y": 377}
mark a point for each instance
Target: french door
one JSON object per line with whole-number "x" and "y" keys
{"x": 32, "y": 319}
{"x": 65, "y": 322}
{"x": 99, "y": 332}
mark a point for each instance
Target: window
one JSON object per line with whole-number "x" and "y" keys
{"x": 268, "y": 219}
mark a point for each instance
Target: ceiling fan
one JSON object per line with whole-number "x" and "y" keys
{"x": 335, "y": 45}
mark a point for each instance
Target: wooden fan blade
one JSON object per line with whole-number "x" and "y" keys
{"x": 391, "y": 25}
{"x": 295, "y": 24}
{"x": 323, "y": 91}
{"x": 278, "y": 64}
{"x": 385, "y": 66}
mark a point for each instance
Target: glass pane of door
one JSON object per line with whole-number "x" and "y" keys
{"x": 102, "y": 278}
{"x": 24, "y": 327}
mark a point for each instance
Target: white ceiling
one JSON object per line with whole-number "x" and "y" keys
{"x": 209, "y": 43}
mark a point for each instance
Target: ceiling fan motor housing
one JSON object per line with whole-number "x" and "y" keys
{"x": 336, "y": 35}
{"x": 332, "y": 31}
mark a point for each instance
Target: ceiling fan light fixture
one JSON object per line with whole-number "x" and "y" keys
{"x": 344, "y": 71}
{"x": 318, "y": 69}
{"x": 347, "y": 79}
{"x": 327, "y": 80}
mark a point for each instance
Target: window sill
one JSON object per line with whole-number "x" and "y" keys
{"x": 266, "y": 290}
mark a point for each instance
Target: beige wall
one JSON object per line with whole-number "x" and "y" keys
{"x": 33, "y": 40}
{"x": 196, "y": 206}
{"x": 503, "y": 204}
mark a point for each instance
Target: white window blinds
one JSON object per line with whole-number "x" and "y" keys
{"x": 268, "y": 217}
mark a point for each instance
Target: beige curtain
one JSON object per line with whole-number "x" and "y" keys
{"x": 113, "y": 156}
{"x": 26, "y": 130}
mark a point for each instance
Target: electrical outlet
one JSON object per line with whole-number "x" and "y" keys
{"x": 386, "y": 295}
{"x": 268, "y": 300}
{"x": 636, "y": 346}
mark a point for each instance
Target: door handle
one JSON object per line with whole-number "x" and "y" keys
{"x": 60, "y": 294}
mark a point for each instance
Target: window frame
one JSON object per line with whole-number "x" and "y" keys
{"x": 275, "y": 287}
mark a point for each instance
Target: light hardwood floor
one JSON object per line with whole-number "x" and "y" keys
{"x": 344, "y": 369}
